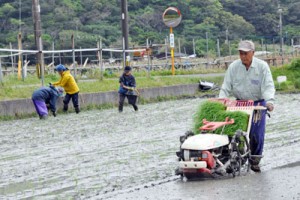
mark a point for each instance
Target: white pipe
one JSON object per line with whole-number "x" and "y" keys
{"x": 69, "y": 50}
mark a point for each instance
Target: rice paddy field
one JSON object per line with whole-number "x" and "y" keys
{"x": 131, "y": 155}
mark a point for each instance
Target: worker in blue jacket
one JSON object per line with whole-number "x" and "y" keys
{"x": 127, "y": 89}
{"x": 45, "y": 97}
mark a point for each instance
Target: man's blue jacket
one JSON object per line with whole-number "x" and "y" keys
{"x": 47, "y": 94}
{"x": 126, "y": 80}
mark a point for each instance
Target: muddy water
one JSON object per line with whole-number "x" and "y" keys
{"x": 104, "y": 154}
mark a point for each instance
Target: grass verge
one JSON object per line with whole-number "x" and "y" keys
{"x": 12, "y": 88}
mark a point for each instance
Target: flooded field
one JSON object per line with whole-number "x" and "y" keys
{"x": 104, "y": 154}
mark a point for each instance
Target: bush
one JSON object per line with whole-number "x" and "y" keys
{"x": 295, "y": 65}
{"x": 297, "y": 83}
{"x": 284, "y": 85}
{"x": 280, "y": 86}
{"x": 110, "y": 74}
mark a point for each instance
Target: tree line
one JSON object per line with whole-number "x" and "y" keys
{"x": 92, "y": 20}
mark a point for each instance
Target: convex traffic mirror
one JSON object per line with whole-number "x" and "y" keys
{"x": 172, "y": 17}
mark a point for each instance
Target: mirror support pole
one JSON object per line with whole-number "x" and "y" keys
{"x": 172, "y": 53}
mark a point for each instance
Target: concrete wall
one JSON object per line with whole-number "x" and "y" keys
{"x": 25, "y": 106}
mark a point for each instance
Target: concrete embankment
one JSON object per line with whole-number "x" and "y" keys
{"x": 21, "y": 107}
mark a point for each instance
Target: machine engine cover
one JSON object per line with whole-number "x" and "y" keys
{"x": 205, "y": 141}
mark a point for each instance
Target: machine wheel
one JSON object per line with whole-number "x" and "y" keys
{"x": 235, "y": 163}
{"x": 186, "y": 177}
{"x": 240, "y": 145}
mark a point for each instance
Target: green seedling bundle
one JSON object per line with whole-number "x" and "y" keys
{"x": 216, "y": 111}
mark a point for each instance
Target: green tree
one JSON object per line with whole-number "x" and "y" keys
{"x": 90, "y": 20}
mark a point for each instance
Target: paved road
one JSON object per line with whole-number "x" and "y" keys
{"x": 277, "y": 184}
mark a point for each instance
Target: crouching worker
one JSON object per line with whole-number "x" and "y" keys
{"x": 70, "y": 86}
{"x": 127, "y": 89}
{"x": 43, "y": 96}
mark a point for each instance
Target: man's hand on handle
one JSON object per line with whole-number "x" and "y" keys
{"x": 270, "y": 107}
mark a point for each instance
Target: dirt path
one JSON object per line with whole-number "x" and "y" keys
{"x": 104, "y": 154}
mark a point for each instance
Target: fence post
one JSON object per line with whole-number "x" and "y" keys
{"x": 12, "y": 59}
{"x": 53, "y": 57}
{"x": 166, "y": 50}
{"x": 20, "y": 66}
{"x": 218, "y": 49}
{"x": 1, "y": 75}
{"x": 73, "y": 55}
{"x": 293, "y": 49}
{"x": 206, "y": 35}
{"x": 179, "y": 46}
{"x": 80, "y": 57}
{"x": 148, "y": 57}
{"x": 100, "y": 61}
{"x": 101, "y": 54}
{"x": 229, "y": 50}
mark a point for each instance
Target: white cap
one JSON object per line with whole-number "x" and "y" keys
{"x": 246, "y": 45}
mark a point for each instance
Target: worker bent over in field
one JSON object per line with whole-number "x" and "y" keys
{"x": 44, "y": 98}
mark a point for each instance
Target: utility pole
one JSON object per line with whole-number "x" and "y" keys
{"x": 124, "y": 10}
{"x": 20, "y": 59}
{"x": 20, "y": 16}
{"x": 280, "y": 29}
{"x": 36, "y": 10}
